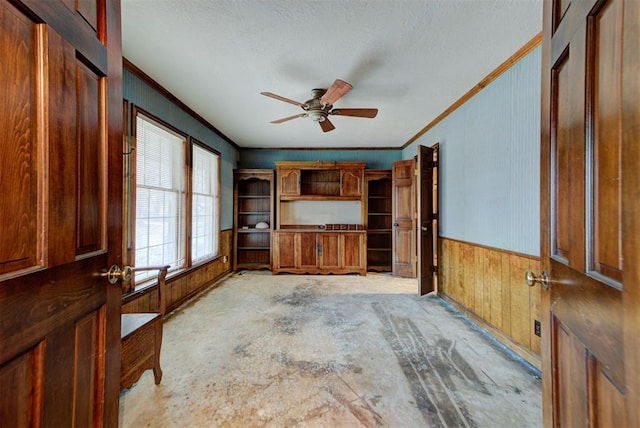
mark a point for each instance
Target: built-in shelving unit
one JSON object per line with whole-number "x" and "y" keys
{"x": 320, "y": 217}
{"x": 253, "y": 205}
{"x": 379, "y": 218}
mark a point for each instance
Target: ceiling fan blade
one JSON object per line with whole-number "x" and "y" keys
{"x": 286, "y": 100}
{"x": 356, "y": 112}
{"x": 326, "y": 125}
{"x": 335, "y": 92}
{"x": 284, "y": 119}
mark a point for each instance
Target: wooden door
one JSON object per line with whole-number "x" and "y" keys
{"x": 351, "y": 182}
{"x": 307, "y": 251}
{"x": 404, "y": 219}
{"x": 590, "y": 211}
{"x": 60, "y": 216}
{"x": 329, "y": 255}
{"x": 426, "y": 247}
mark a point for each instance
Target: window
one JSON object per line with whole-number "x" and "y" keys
{"x": 205, "y": 204}
{"x": 162, "y": 196}
{"x": 159, "y": 214}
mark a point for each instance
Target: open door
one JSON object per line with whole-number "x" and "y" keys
{"x": 426, "y": 220}
{"x": 590, "y": 213}
{"x": 404, "y": 255}
{"x": 61, "y": 212}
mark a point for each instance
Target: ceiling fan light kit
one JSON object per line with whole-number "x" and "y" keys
{"x": 320, "y": 106}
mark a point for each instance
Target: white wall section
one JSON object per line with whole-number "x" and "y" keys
{"x": 490, "y": 162}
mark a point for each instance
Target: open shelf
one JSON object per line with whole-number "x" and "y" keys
{"x": 253, "y": 203}
{"x": 379, "y": 220}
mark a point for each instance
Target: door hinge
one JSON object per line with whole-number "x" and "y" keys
{"x": 434, "y": 269}
{"x": 434, "y": 216}
{"x": 435, "y": 164}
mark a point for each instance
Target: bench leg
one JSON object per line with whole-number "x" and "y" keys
{"x": 157, "y": 371}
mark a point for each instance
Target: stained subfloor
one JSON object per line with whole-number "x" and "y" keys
{"x": 329, "y": 351}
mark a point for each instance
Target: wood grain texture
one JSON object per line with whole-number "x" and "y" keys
{"x": 631, "y": 207}
{"x": 607, "y": 113}
{"x": 489, "y": 283}
{"x": 19, "y": 149}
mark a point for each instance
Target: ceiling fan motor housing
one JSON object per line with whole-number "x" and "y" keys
{"x": 315, "y": 110}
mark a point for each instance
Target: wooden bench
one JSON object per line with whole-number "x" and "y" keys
{"x": 141, "y": 338}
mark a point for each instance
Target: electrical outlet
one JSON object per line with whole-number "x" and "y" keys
{"x": 225, "y": 259}
{"x": 536, "y": 328}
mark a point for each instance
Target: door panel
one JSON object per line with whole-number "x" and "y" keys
{"x": 353, "y": 250}
{"x": 329, "y": 249}
{"x": 426, "y": 246}
{"x": 59, "y": 317}
{"x": 582, "y": 226}
{"x": 404, "y": 219}
{"x": 307, "y": 249}
{"x": 20, "y": 216}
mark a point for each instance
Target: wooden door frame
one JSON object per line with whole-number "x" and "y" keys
{"x": 116, "y": 146}
{"x": 631, "y": 208}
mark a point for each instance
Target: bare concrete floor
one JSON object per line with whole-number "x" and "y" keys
{"x": 329, "y": 351}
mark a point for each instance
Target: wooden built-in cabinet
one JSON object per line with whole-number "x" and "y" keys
{"x": 320, "y": 180}
{"x": 379, "y": 205}
{"x": 253, "y": 205}
{"x": 320, "y": 218}
{"x": 319, "y": 252}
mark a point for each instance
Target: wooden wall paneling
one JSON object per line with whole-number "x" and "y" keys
{"x": 520, "y": 302}
{"x": 443, "y": 266}
{"x": 486, "y": 284}
{"x": 493, "y": 275}
{"x": 478, "y": 281}
{"x": 184, "y": 286}
{"x": 489, "y": 284}
{"x": 505, "y": 286}
{"x": 453, "y": 277}
{"x": 467, "y": 280}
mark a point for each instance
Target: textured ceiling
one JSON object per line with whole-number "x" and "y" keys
{"x": 411, "y": 59}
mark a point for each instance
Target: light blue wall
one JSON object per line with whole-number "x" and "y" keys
{"x": 265, "y": 158}
{"x": 142, "y": 95}
{"x": 490, "y": 162}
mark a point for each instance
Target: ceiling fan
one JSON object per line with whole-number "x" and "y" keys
{"x": 320, "y": 106}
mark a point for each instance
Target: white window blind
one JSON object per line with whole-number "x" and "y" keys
{"x": 159, "y": 211}
{"x": 204, "y": 218}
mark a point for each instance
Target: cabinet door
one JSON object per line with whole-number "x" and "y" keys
{"x": 284, "y": 250}
{"x": 353, "y": 250}
{"x": 307, "y": 250}
{"x": 289, "y": 182}
{"x": 351, "y": 182}
{"x": 329, "y": 250}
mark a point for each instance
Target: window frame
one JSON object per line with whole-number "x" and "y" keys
{"x": 130, "y": 177}
{"x": 217, "y": 203}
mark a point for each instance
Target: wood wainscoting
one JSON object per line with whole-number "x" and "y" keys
{"x": 183, "y": 286}
{"x": 489, "y": 285}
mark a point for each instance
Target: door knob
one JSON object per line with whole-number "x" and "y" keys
{"x": 395, "y": 224}
{"x": 543, "y": 279}
{"x": 115, "y": 273}
{"x": 424, "y": 228}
